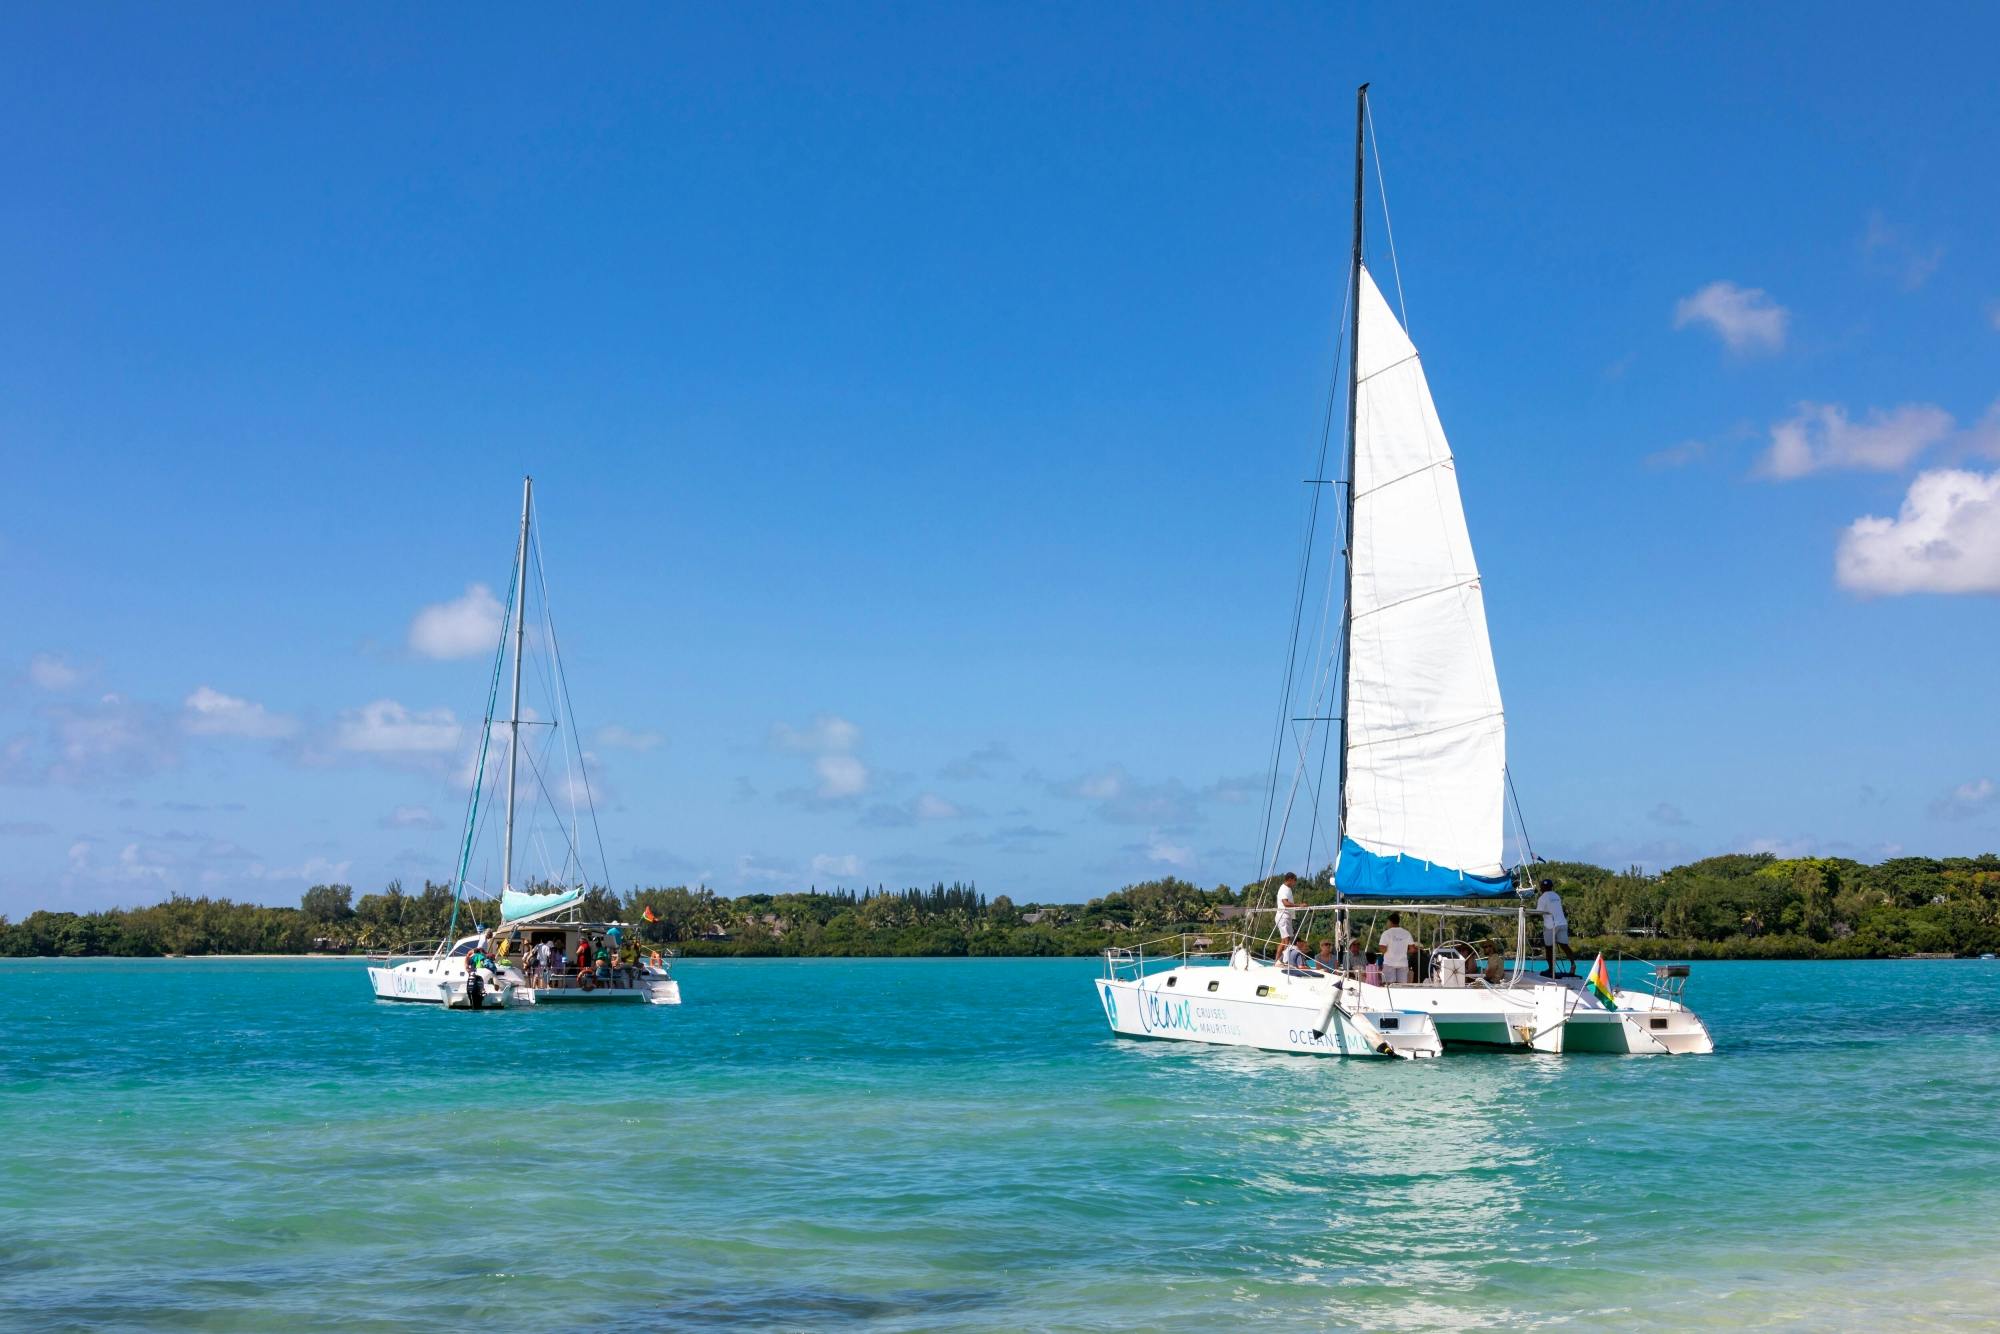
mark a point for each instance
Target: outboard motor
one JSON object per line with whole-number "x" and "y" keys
{"x": 475, "y": 988}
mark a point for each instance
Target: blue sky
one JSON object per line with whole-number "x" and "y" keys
{"x": 918, "y": 399}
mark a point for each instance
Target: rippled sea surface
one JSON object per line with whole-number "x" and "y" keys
{"x": 959, "y": 1144}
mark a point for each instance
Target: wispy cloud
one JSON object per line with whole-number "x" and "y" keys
{"x": 1821, "y": 436}
{"x": 1968, "y": 801}
{"x": 1944, "y": 539}
{"x": 923, "y": 808}
{"x": 386, "y": 728}
{"x": 1677, "y": 456}
{"x": 1117, "y": 797}
{"x": 411, "y": 817}
{"x": 53, "y": 672}
{"x": 846, "y": 866}
{"x": 613, "y": 737}
{"x": 465, "y": 627}
{"x": 1746, "y": 319}
{"x": 1668, "y": 814}
{"x": 1893, "y": 250}
{"x": 209, "y": 712}
{"x": 979, "y": 765}
{"x": 108, "y": 740}
{"x": 1008, "y": 838}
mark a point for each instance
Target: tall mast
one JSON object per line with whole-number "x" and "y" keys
{"x": 1353, "y": 400}
{"x": 514, "y": 714}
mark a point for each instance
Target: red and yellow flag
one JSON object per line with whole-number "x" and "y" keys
{"x": 1599, "y": 982}
{"x": 648, "y": 914}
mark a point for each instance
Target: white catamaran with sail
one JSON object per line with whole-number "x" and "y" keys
{"x": 542, "y": 949}
{"x": 1423, "y": 785}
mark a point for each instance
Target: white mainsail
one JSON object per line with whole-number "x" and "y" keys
{"x": 1426, "y": 736}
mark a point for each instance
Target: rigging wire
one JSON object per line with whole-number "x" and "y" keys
{"x": 1382, "y": 193}
{"x": 1267, "y": 852}
{"x": 485, "y": 737}
{"x": 562, "y": 680}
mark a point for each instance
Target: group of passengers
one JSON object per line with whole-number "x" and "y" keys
{"x": 1397, "y": 960}
{"x": 602, "y": 960}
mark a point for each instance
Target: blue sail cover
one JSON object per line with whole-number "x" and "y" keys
{"x": 1361, "y": 874}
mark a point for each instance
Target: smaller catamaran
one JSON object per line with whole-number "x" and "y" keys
{"x": 1423, "y": 784}
{"x": 543, "y": 948}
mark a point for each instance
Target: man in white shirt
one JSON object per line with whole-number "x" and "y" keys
{"x": 1396, "y": 946}
{"x": 1555, "y": 925}
{"x": 1287, "y": 900}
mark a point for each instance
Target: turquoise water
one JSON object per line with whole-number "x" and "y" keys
{"x": 954, "y": 1144}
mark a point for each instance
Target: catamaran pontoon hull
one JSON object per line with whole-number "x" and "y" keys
{"x": 1259, "y": 1006}
{"x": 439, "y": 982}
{"x": 1542, "y": 1015}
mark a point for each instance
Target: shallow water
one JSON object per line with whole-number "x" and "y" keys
{"x": 960, "y": 1144}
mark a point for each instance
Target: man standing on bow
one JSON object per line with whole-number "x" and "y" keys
{"x": 1287, "y": 900}
{"x": 1555, "y": 926}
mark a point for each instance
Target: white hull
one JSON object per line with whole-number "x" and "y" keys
{"x": 650, "y": 990}
{"x": 1259, "y": 1006}
{"x": 1544, "y": 1015}
{"x": 441, "y": 982}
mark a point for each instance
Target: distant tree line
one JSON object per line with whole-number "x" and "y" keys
{"x": 1737, "y": 906}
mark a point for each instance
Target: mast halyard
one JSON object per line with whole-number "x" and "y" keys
{"x": 1353, "y": 403}
{"x": 514, "y": 713}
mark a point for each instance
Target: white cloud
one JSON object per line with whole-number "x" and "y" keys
{"x": 613, "y": 736}
{"x": 839, "y": 774}
{"x": 411, "y": 817}
{"x": 1967, "y": 800}
{"x": 209, "y": 712}
{"x": 387, "y": 728}
{"x": 1745, "y": 318}
{"x": 847, "y": 865}
{"x": 1945, "y": 539}
{"x": 1821, "y": 436}
{"x": 50, "y": 671}
{"x": 1164, "y": 853}
{"x": 462, "y": 628}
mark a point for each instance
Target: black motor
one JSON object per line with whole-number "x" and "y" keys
{"x": 475, "y": 988}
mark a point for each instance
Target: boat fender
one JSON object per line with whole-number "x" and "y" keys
{"x": 586, "y": 982}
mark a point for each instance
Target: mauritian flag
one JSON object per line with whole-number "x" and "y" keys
{"x": 648, "y": 914}
{"x": 1599, "y": 982}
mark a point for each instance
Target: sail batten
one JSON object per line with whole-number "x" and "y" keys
{"x": 1425, "y": 754}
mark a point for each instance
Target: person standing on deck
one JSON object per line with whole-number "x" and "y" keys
{"x": 1555, "y": 926}
{"x": 1396, "y": 946}
{"x": 1287, "y": 900}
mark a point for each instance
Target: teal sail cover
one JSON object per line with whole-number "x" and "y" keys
{"x": 514, "y": 905}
